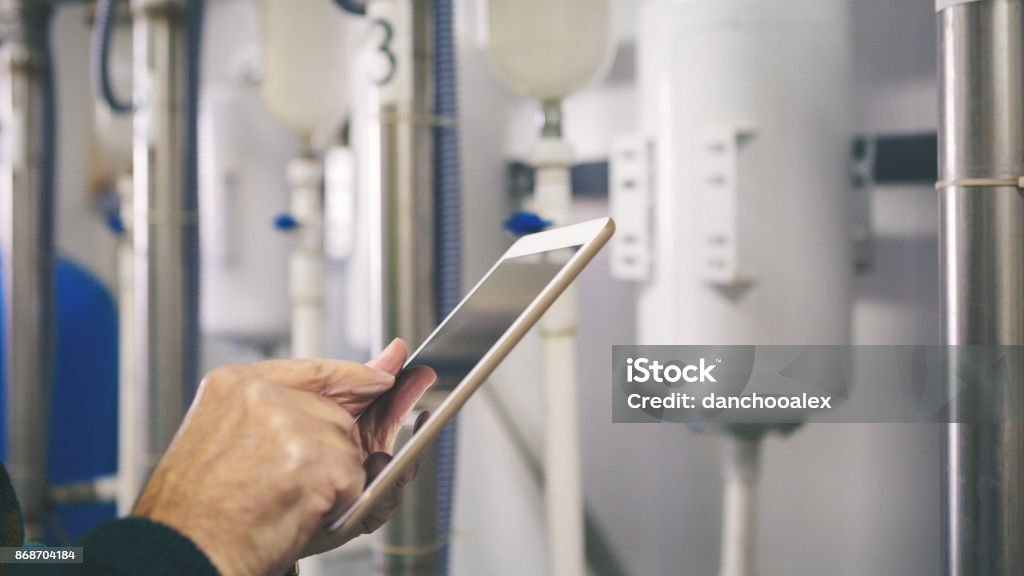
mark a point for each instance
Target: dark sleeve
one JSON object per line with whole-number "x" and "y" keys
{"x": 12, "y": 533}
{"x": 126, "y": 547}
{"x": 129, "y": 547}
{"x": 140, "y": 546}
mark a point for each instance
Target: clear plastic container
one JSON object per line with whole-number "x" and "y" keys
{"x": 547, "y": 49}
{"x": 308, "y": 46}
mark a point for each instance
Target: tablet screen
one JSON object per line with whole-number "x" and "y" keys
{"x": 475, "y": 327}
{"x": 465, "y": 348}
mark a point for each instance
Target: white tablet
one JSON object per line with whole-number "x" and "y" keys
{"x": 473, "y": 340}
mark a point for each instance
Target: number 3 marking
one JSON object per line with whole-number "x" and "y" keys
{"x": 385, "y": 49}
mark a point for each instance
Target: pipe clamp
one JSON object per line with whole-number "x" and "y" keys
{"x": 981, "y": 183}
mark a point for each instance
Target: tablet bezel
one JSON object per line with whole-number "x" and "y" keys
{"x": 589, "y": 236}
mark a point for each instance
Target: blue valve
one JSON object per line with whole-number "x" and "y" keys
{"x": 522, "y": 223}
{"x": 285, "y": 222}
{"x": 116, "y": 224}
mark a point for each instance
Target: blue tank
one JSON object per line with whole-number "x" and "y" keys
{"x": 83, "y": 424}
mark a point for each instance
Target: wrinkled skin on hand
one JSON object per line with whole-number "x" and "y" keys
{"x": 375, "y": 434}
{"x": 270, "y": 453}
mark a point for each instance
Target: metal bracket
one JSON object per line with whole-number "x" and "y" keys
{"x": 862, "y": 169}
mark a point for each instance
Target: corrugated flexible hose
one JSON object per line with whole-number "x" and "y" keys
{"x": 448, "y": 241}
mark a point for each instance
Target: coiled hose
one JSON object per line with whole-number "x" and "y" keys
{"x": 106, "y": 17}
{"x": 102, "y": 34}
{"x": 352, "y": 6}
{"x": 448, "y": 239}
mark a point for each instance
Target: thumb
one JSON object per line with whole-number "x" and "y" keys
{"x": 392, "y": 358}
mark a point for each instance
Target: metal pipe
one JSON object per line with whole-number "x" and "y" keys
{"x": 740, "y": 472}
{"x": 407, "y": 164}
{"x": 981, "y": 160}
{"x": 102, "y": 489}
{"x": 551, "y": 119}
{"x": 131, "y": 471}
{"x": 409, "y": 543}
{"x": 26, "y": 234}
{"x": 162, "y": 222}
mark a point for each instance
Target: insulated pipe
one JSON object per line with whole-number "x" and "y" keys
{"x": 981, "y": 161}
{"x": 448, "y": 248}
{"x": 740, "y": 471}
{"x": 563, "y": 491}
{"x": 164, "y": 218}
{"x": 305, "y": 175}
{"x": 26, "y": 236}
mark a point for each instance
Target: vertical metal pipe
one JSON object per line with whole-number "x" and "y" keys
{"x": 408, "y": 544}
{"x": 407, "y": 164}
{"x": 981, "y": 160}
{"x": 131, "y": 472}
{"x": 163, "y": 223}
{"x": 26, "y": 234}
{"x": 740, "y": 475}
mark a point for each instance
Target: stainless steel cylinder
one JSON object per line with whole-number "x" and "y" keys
{"x": 407, "y": 194}
{"x": 162, "y": 223}
{"x": 981, "y": 160}
{"x": 26, "y": 235}
{"x": 409, "y": 543}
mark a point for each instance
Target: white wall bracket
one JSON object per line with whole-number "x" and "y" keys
{"x": 631, "y": 189}
{"x": 721, "y": 260}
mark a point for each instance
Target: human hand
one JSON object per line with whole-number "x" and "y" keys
{"x": 375, "y": 434}
{"x": 260, "y": 463}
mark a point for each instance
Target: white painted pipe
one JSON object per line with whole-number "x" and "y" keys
{"x": 305, "y": 275}
{"x": 130, "y": 464}
{"x": 563, "y": 496}
{"x": 306, "y": 268}
{"x": 564, "y": 488}
{"x": 740, "y": 470}
{"x": 102, "y": 489}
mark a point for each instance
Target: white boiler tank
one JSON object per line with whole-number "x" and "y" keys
{"x": 308, "y": 47}
{"x": 748, "y": 106}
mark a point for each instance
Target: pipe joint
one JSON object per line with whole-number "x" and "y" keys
{"x": 23, "y": 30}
{"x": 551, "y": 119}
{"x": 305, "y": 172}
{"x": 169, "y": 9}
